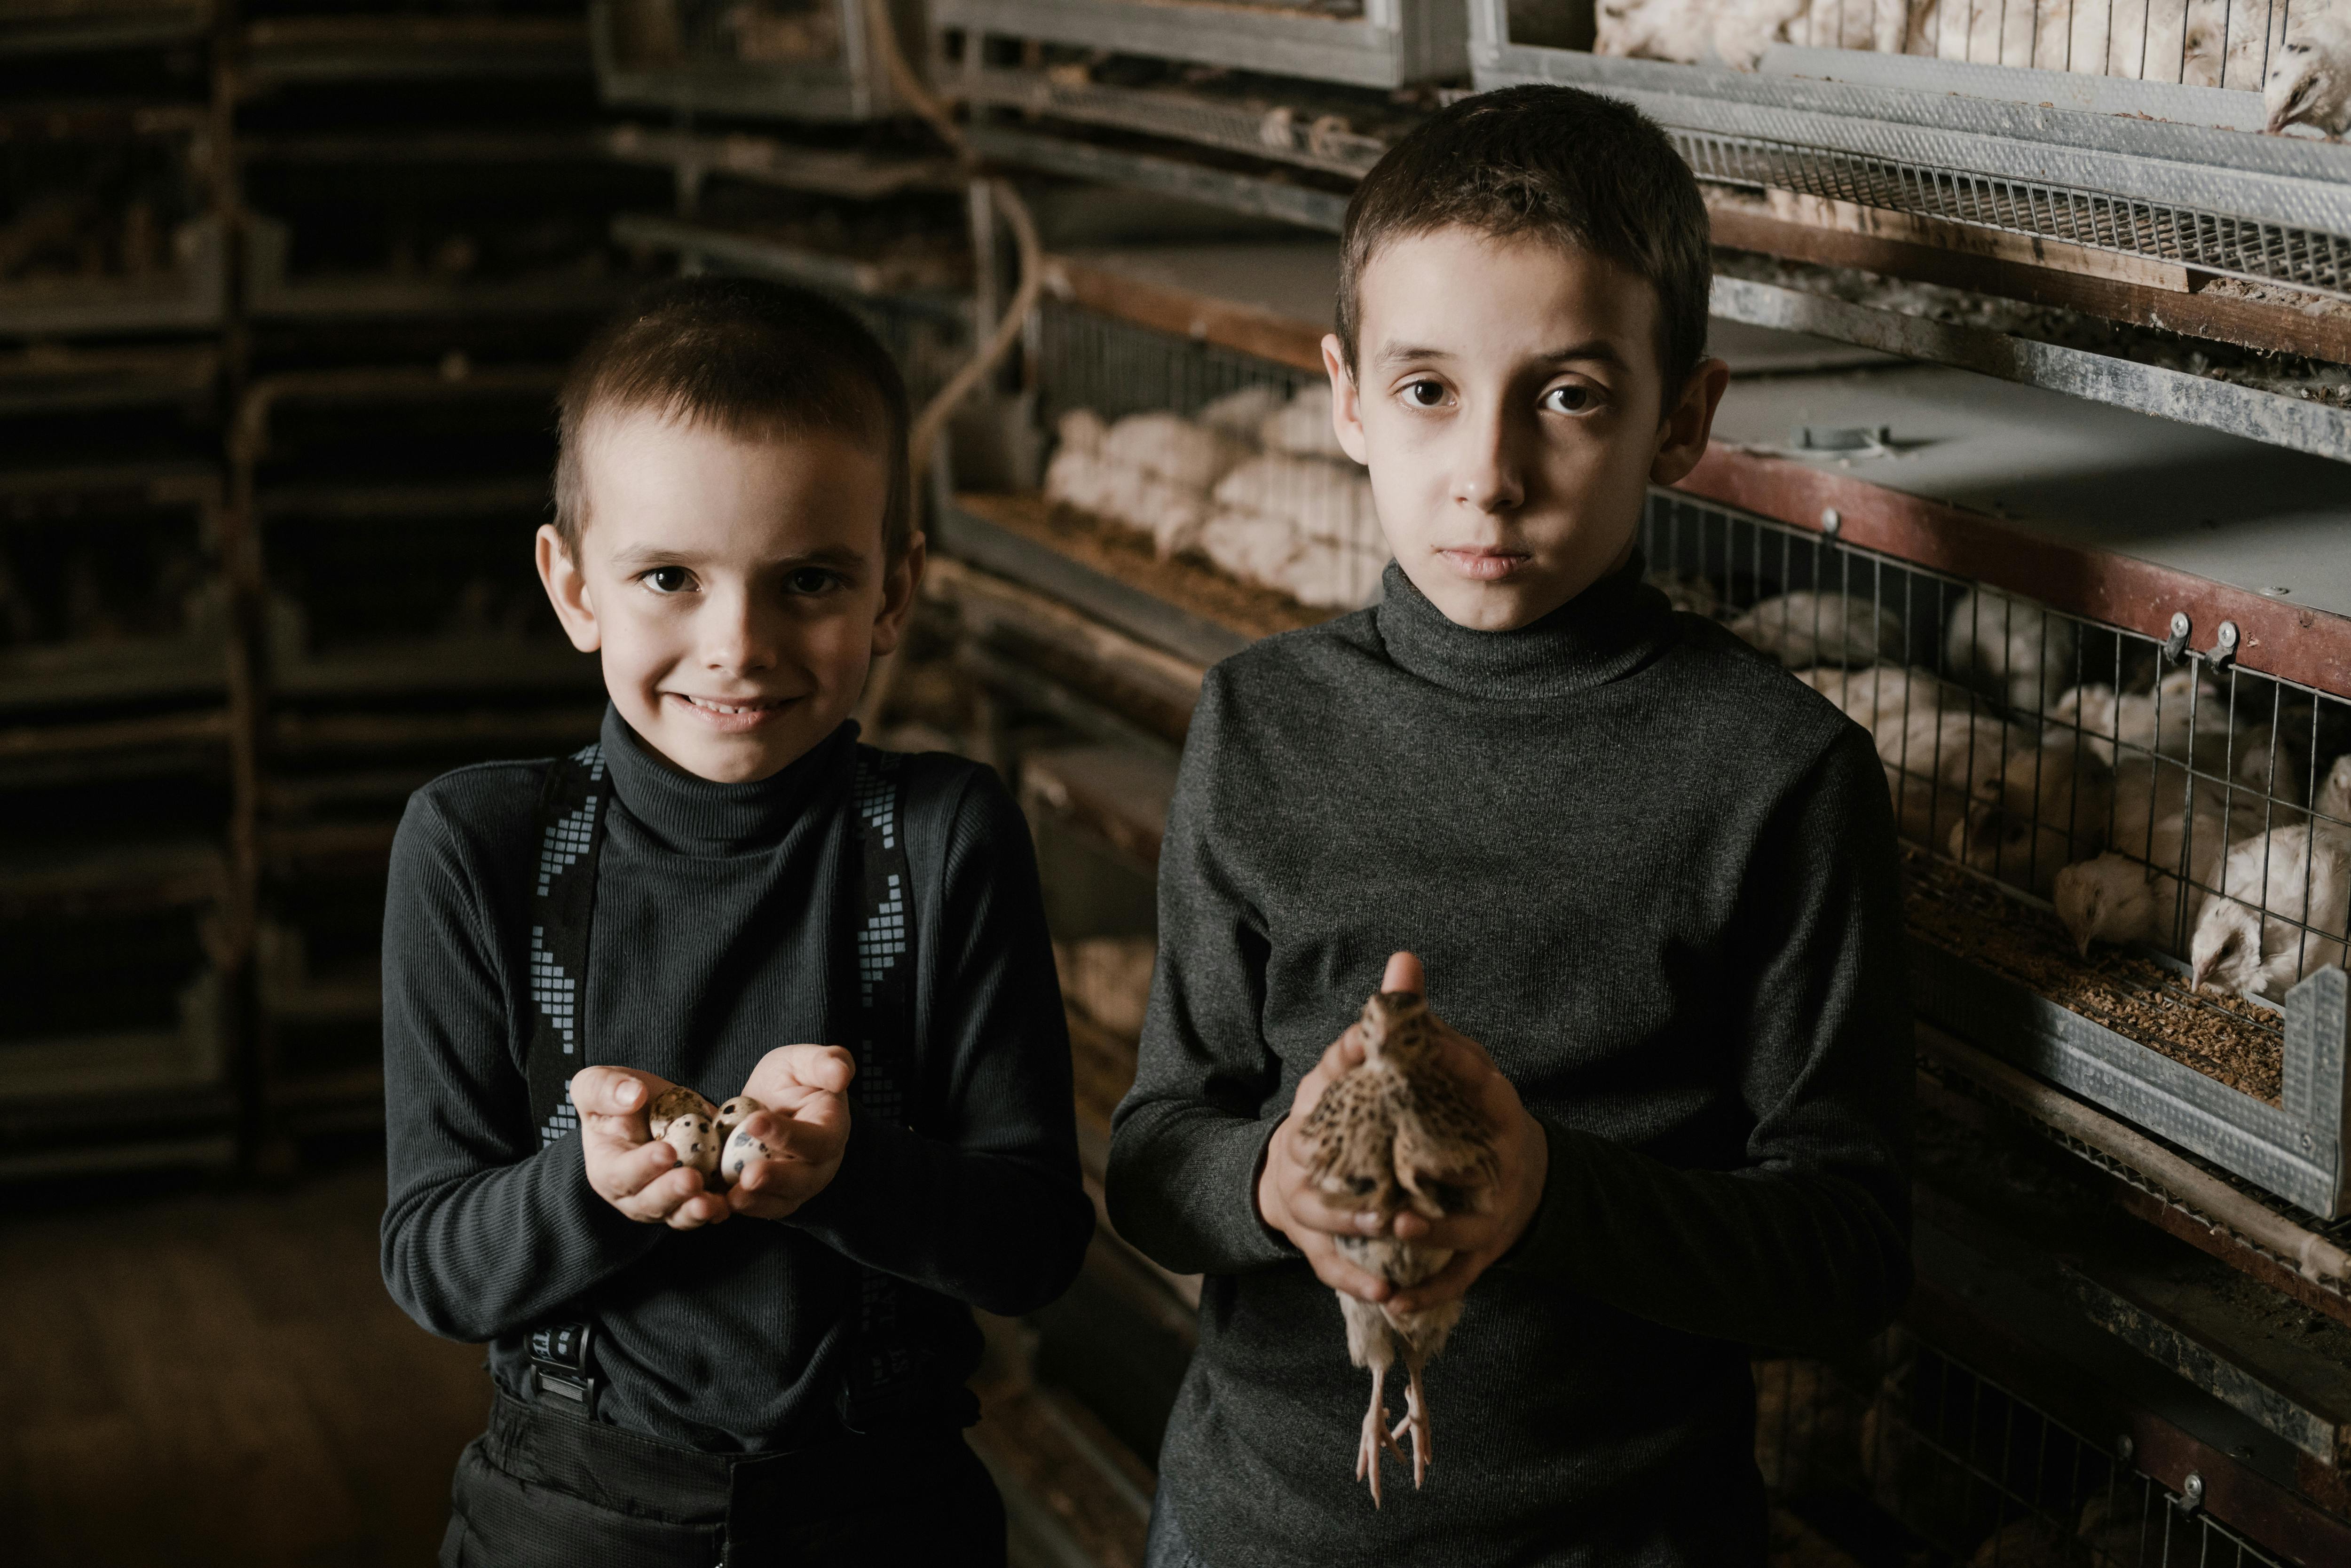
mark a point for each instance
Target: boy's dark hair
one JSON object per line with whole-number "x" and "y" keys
{"x": 748, "y": 358}
{"x": 1551, "y": 162}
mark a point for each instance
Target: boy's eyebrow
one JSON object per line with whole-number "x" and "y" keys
{"x": 1592, "y": 351}
{"x": 645, "y": 555}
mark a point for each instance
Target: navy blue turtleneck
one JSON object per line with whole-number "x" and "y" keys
{"x": 725, "y": 927}
{"x": 1655, "y": 876}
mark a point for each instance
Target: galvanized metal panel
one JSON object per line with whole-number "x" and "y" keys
{"x": 2225, "y": 108}
{"x": 2257, "y": 1141}
{"x": 2276, "y": 420}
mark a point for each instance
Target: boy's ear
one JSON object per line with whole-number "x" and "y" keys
{"x": 1346, "y": 403}
{"x": 898, "y": 596}
{"x": 1681, "y": 439}
{"x": 567, "y": 590}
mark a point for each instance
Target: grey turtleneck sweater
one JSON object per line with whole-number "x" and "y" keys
{"x": 1655, "y": 876}
{"x": 725, "y": 927}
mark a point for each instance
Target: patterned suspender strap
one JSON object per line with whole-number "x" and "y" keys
{"x": 563, "y": 902}
{"x": 881, "y": 1383}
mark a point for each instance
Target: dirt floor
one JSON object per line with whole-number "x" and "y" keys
{"x": 2225, "y": 1038}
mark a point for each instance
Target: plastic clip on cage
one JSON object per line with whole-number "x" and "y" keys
{"x": 800, "y": 60}
{"x": 2130, "y": 855}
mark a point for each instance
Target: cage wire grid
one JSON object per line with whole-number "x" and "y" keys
{"x": 2198, "y": 42}
{"x": 2031, "y": 778}
{"x": 1973, "y": 1471}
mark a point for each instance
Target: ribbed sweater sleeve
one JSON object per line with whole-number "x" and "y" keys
{"x": 482, "y": 1233}
{"x": 1187, "y": 1141}
{"x": 988, "y": 1206}
{"x": 1804, "y": 1247}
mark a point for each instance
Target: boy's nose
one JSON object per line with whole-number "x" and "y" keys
{"x": 1486, "y": 472}
{"x": 735, "y": 635}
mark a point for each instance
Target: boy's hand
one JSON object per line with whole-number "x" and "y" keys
{"x": 1289, "y": 1202}
{"x": 805, "y": 1127}
{"x": 628, "y": 1167}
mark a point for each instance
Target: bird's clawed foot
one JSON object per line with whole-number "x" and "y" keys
{"x": 1415, "y": 1421}
{"x": 1376, "y": 1437}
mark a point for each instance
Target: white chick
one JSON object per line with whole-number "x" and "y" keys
{"x": 1080, "y": 430}
{"x": 1890, "y": 692}
{"x": 2310, "y": 84}
{"x": 2009, "y": 648}
{"x": 1172, "y": 514}
{"x": 2046, "y": 810}
{"x": 1678, "y": 30}
{"x": 1173, "y": 449}
{"x": 1239, "y": 413}
{"x": 1321, "y": 499}
{"x": 1253, "y": 548}
{"x": 1938, "y": 764}
{"x": 2300, "y": 879}
{"x": 1807, "y": 628}
{"x": 2275, "y": 769}
{"x": 1302, "y": 426}
{"x": 1685, "y": 591}
{"x": 2119, "y": 898}
{"x": 2332, "y": 804}
{"x": 2157, "y": 721}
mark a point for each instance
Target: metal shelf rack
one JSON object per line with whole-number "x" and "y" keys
{"x": 792, "y": 60}
{"x": 1379, "y": 44}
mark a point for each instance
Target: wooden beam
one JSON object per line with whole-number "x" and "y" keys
{"x": 2322, "y": 331}
{"x": 1244, "y": 328}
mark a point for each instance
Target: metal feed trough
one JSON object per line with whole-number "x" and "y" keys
{"x": 2020, "y": 740}
{"x": 793, "y": 60}
{"x": 1362, "y": 43}
{"x": 2122, "y": 126}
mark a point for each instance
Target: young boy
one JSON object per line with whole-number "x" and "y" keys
{"x": 1646, "y": 871}
{"x": 773, "y": 1372}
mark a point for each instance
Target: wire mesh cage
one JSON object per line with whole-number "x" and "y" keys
{"x": 1214, "y": 453}
{"x": 1972, "y": 1471}
{"x": 1365, "y": 43}
{"x": 797, "y": 60}
{"x": 2117, "y": 126}
{"x": 2129, "y": 859}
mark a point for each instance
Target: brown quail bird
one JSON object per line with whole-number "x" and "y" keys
{"x": 1398, "y": 1133}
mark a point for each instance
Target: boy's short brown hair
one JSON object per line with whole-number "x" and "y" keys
{"x": 1551, "y": 162}
{"x": 749, "y": 357}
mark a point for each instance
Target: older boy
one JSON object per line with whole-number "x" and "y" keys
{"x": 774, "y": 1372}
{"x": 1645, "y": 870}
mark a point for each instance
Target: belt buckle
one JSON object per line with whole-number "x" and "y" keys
{"x": 559, "y": 1363}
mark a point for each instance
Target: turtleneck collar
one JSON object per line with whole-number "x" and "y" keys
{"x": 698, "y": 817}
{"x": 1607, "y": 632}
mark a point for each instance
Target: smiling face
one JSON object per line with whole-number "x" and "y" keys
{"x": 735, "y": 588}
{"x": 1510, "y": 404}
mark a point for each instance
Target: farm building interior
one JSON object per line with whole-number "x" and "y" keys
{"x": 2035, "y": 461}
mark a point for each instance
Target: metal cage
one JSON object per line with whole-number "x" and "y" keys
{"x": 1974, "y": 1472}
{"x": 2129, "y": 858}
{"x": 2040, "y": 121}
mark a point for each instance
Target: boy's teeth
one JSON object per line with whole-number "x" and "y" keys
{"x": 720, "y": 707}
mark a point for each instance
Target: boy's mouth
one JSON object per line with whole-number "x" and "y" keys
{"x": 733, "y": 717}
{"x": 1482, "y": 565}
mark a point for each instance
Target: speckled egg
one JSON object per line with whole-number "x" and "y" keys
{"x": 735, "y": 1112}
{"x": 742, "y": 1148}
{"x": 672, "y": 1102}
{"x": 695, "y": 1141}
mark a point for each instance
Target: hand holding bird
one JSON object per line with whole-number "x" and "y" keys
{"x": 1452, "y": 1171}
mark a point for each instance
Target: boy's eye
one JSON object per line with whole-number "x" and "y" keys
{"x": 667, "y": 579}
{"x": 811, "y": 579}
{"x": 1571, "y": 398}
{"x": 1425, "y": 394}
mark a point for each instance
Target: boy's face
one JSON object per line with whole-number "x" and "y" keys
{"x": 735, "y": 588}
{"x": 1509, "y": 403}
